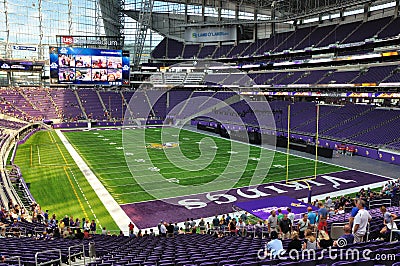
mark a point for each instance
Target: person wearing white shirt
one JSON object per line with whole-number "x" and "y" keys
{"x": 360, "y": 222}
{"x": 163, "y": 230}
{"x": 290, "y": 215}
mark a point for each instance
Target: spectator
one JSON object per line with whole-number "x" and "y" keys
{"x": 272, "y": 222}
{"x": 244, "y": 217}
{"x": 86, "y": 226}
{"x": 176, "y": 229}
{"x": 312, "y": 217}
{"x": 353, "y": 213}
{"x": 322, "y": 217}
{"x": 310, "y": 243}
{"x": 131, "y": 227}
{"x": 202, "y": 226}
{"x": 228, "y": 219}
{"x": 258, "y": 229}
{"x": 295, "y": 244}
{"x": 86, "y": 234}
{"x": 77, "y": 223}
{"x": 388, "y": 223}
{"x": 280, "y": 215}
{"x": 232, "y": 227}
{"x": 187, "y": 225}
{"x": 104, "y": 231}
{"x": 348, "y": 236}
{"x": 215, "y": 222}
{"x": 250, "y": 230}
{"x": 93, "y": 227}
{"x": 241, "y": 228}
{"x": 192, "y": 224}
{"x": 170, "y": 230}
{"x": 159, "y": 226}
{"x": 328, "y": 203}
{"x": 290, "y": 215}
{"x": 163, "y": 230}
{"x": 324, "y": 240}
{"x": 285, "y": 227}
{"x": 360, "y": 222}
{"x": 79, "y": 234}
{"x": 303, "y": 225}
{"x": 275, "y": 246}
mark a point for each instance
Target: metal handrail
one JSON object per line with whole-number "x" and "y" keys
{"x": 13, "y": 258}
{"x": 48, "y": 262}
{"x": 394, "y": 230}
{"x": 380, "y": 202}
{"x": 76, "y": 254}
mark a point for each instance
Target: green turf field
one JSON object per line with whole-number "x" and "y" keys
{"x": 232, "y": 164}
{"x": 56, "y": 181}
{"x": 58, "y": 184}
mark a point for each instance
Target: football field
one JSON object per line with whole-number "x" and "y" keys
{"x": 138, "y": 165}
{"x": 131, "y": 171}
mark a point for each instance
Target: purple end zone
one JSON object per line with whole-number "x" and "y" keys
{"x": 149, "y": 213}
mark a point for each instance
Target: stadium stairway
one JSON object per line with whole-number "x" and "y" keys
{"x": 80, "y": 104}
{"x": 27, "y": 99}
{"x": 101, "y": 101}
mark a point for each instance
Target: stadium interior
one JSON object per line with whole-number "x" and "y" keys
{"x": 169, "y": 132}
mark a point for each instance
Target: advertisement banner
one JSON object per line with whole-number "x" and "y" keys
{"x": 16, "y": 65}
{"x": 106, "y": 42}
{"x": 210, "y": 34}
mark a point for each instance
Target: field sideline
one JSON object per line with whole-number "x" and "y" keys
{"x": 56, "y": 181}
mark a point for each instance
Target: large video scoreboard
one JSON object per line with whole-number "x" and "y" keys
{"x": 72, "y": 65}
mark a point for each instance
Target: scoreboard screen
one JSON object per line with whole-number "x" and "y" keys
{"x": 71, "y": 65}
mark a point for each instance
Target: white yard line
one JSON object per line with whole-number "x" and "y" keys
{"x": 116, "y": 212}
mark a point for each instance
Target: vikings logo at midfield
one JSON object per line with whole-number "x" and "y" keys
{"x": 162, "y": 146}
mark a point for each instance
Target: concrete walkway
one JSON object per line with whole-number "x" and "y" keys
{"x": 119, "y": 216}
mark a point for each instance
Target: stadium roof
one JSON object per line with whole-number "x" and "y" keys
{"x": 284, "y": 9}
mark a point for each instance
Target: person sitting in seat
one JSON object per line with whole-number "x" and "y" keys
{"x": 275, "y": 246}
{"x": 348, "y": 236}
{"x": 388, "y": 223}
{"x": 310, "y": 242}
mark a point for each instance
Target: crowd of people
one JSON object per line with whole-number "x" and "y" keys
{"x": 308, "y": 233}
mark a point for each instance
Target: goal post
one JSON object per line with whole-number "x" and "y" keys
{"x": 314, "y": 176}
